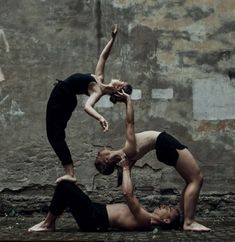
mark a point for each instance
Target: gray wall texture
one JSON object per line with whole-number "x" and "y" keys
{"x": 175, "y": 53}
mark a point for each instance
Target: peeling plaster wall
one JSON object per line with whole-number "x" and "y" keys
{"x": 175, "y": 53}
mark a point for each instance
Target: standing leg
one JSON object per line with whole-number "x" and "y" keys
{"x": 190, "y": 171}
{"x": 56, "y": 137}
{"x": 59, "y": 111}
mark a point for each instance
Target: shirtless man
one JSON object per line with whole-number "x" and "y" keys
{"x": 94, "y": 216}
{"x": 168, "y": 150}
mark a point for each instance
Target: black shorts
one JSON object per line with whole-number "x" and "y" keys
{"x": 166, "y": 149}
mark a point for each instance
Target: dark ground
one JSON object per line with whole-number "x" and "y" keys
{"x": 15, "y": 229}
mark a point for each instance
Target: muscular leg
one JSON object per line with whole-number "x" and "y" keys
{"x": 67, "y": 194}
{"x": 190, "y": 171}
{"x": 56, "y": 137}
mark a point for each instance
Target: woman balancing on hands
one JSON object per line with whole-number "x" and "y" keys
{"x": 63, "y": 101}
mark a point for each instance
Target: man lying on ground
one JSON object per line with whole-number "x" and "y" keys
{"x": 92, "y": 216}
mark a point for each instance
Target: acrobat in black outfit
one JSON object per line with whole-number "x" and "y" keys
{"x": 63, "y": 101}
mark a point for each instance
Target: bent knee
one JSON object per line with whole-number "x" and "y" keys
{"x": 198, "y": 178}
{"x": 66, "y": 185}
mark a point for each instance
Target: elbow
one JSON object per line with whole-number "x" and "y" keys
{"x": 86, "y": 108}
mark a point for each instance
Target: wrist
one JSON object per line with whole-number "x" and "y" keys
{"x": 99, "y": 118}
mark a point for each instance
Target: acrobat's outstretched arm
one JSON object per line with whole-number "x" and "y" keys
{"x": 130, "y": 145}
{"x": 99, "y": 71}
{"x": 141, "y": 214}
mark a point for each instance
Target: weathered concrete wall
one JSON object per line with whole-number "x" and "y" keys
{"x": 176, "y": 54}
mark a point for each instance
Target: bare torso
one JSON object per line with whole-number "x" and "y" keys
{"x": 145, "y": 142}
{"x": 121, "y": 217}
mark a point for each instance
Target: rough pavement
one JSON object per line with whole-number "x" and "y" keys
{"x": 15, "y": 229}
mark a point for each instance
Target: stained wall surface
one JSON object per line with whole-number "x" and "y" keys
{"x": 177, "y": 55}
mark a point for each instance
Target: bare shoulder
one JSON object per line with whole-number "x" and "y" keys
{"x": 97, "y": 78}
{"x": 94, "y": 87}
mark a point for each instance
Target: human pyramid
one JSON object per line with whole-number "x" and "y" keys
{"x": 131, "y": 215}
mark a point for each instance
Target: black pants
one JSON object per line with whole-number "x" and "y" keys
{"x": 60, "y": 106}
{"x": 88, "y": 215}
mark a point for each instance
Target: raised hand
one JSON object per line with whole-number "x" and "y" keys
{"x": 114, "y": 30}
{"x": 124, "y": 162}
{"x": 121, "y": 96}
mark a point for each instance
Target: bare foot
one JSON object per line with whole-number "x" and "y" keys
{"x": 66, "y": 178}
{"x": 69, "y": 169}
{"x": 194, "y": 226}
{"x": 42, "y": 227}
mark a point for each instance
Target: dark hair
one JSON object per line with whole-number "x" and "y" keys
{"x": 108, "y": 169}
{"x": 127, "y": 89}
{"x": 176, "y": 222}
{"x": 119, "y": 175}
{"x": 103, "y": 167}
